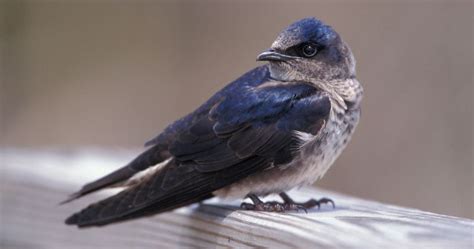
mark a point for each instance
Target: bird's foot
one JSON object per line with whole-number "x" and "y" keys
{"x": 287, "y": 205}
{"x": 308, "y": 204}
{"x": 272, "y": 206}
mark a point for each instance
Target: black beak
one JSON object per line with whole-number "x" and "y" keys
{"x": 272, "y": 55}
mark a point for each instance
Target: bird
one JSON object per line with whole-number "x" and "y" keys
{"x": 279, "y": 126}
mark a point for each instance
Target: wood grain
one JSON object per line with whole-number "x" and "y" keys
{"x": 33, "y": 182}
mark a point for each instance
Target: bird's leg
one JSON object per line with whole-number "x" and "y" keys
{"x": 290, "y": 204}
{"x": 259, "y": 205}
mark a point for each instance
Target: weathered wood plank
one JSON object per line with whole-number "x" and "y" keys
{"x": 33, "y": 182}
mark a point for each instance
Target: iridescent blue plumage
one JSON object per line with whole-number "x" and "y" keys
{"x": 306, "y": 30}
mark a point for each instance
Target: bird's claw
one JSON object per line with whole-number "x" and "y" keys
{"x": 317, "y": 203}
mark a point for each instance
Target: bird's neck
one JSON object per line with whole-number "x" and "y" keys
{"x": 347, "y": 92}
{"x": 343, "y": 90}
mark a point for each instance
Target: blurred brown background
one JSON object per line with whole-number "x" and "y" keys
{"x": 114, "y": 74}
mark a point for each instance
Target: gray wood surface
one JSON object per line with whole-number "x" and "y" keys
{"x": 33, "y": 182}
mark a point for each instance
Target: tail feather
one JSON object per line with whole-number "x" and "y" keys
{"x": 158, "y": 208}
{"x": 136, "y": 201}
{"x": 115, "y": 177}
{"x": 150, "y": 157}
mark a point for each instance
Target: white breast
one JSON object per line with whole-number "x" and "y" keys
{"x": 316, "y": 155}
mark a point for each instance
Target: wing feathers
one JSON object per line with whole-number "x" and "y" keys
{"x": 140, "y": 200}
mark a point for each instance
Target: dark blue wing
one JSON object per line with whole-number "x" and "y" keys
{"x": 254, "y": 122}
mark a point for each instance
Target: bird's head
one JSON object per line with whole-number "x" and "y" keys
{"x": 309, "y": 50}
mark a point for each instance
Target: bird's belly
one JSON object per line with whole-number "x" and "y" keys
{"x": 314, "y": 158}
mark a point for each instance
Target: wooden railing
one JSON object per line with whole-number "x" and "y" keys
{"x": 34, "y": 182}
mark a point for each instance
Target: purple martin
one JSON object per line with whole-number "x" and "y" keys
{"x": 279, "y": 126}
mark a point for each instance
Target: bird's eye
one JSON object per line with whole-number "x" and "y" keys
{"x": 309, "y": 50}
